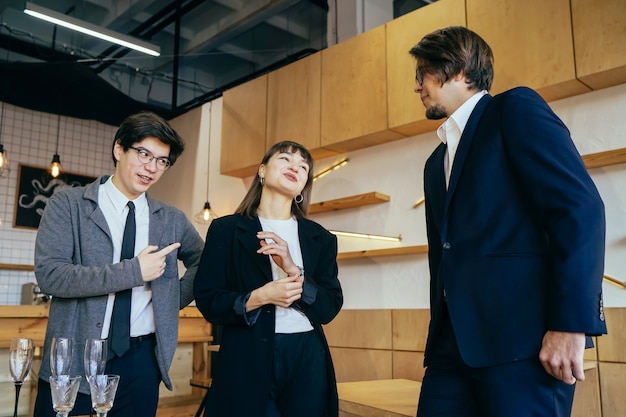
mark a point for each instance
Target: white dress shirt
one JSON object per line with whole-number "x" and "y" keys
{"x": 114, "y": 206}
{"x": 451, "y": 130}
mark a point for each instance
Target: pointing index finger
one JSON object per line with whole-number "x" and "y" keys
{"x": 169, "y": 248}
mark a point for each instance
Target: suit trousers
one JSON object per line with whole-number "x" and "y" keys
{"x": 523, "y": 388}
{"x": 299, "y": 387}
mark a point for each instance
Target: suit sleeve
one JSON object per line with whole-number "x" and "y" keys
{"x": 215, "y": 298}
{"x": 565, "y": 200}
{"x": 322, "y": 296}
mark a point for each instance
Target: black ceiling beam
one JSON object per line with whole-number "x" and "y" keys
{"x": 157, "y": 22}
{"x": 217, "y": 92}
{"x": 40, "y": 52}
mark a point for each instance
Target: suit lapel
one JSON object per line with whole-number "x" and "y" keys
{"x": 310, "y": 243}
{"x": 437, "y": 181}
{"x": 247, "y": 229}
{"x": 465, "y": 144}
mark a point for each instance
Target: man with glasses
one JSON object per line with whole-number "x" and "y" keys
{"x": 107, "y": 253}
{"x": 516, "y": 232}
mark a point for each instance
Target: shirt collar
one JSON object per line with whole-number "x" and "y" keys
{"x": 119, "y": 200}
{"x": 459, "y": 118}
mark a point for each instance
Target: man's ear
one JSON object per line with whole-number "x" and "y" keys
{"x": 117, "y": 149}
{"x": 460, "y": 76}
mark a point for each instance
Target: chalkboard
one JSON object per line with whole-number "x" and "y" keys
{"x": 34, "y": 187}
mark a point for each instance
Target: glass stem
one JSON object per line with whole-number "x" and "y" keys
{"x": 18, "y": 386}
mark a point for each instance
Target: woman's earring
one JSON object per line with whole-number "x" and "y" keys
{"x": 298, "y": 199}
{"x": 262, "y": 181}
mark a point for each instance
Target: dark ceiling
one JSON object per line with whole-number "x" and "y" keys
{"x": 206, "y": 48}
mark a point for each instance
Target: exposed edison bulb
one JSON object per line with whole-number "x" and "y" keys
{"x": 55, "y": 166}
{"x": 206, "y": 215}
{"x": 4, "y": 162}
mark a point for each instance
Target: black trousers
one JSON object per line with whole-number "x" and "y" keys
{"x": 299, "y": 381}
{"x": 138, "y": 391}
{"x": 450, "y": 388}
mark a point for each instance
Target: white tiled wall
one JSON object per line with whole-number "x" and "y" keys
{"x": 29, "y": 138}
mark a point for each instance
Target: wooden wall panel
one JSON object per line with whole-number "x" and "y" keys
{"x": 612, "y": 383}
{"x": 587, "y": 395}
{"x": 531, "y": 42}
{"x": 361, "y": 364}
{"x": 360, "y": 329}
{"x": 244, "y": 116}
{"x": 406, "y": 111}
{"x": 599, "y": 36}
{"x": 408, "y": 365}
{"x": 354, "y": 93}
{"x": 410, "y": 329}
{"x": 293, "y": 105}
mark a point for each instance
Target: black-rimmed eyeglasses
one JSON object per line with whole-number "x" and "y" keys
{"x": 145, "y": 157}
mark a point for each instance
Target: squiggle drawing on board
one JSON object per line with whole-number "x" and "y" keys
{"x": 41, "y": 193}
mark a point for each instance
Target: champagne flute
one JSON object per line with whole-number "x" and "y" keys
{"x": 20, "y": 361}
{"x": 103, "y": 389}
{"x": 64, "y": 390}
{"x": 61, "y": 356}
{"x": 95, "y": 357}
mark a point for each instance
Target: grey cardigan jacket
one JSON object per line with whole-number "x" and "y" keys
{"x": 73, "y": 263}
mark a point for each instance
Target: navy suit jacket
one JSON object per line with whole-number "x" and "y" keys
{"x": 230, "y": 268}
{"x": 517, "y": 241}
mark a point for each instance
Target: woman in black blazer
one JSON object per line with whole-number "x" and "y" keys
{"x": 268, "y": 276}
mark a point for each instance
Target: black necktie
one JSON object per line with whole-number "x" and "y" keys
{"x": 119, "y": 334}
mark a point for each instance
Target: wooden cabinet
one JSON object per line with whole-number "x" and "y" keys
{"x": 532, "y": 44}
{"x": 293, "y": 105}
{"x": 243, "y": 128}
{"x": 359, "y": 93}
{"x": 354, "y": 93}
{"x": 406, "y": 112}
{"x": 599, "y": 41}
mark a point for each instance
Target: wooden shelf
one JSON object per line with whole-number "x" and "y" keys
{"x": 349, "y": 202}
{"x": 404, "y": 250}
{"x": 17, "y": 267}
{"x": 602, "y": 159}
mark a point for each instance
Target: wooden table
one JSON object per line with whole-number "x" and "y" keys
{"x": 382, "y": 398}
{"x": 30, "y": 321}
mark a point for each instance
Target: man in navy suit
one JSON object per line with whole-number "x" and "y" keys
{"x": 516, "y": 234}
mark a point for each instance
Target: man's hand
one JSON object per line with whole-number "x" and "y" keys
{"x": 152, "y": 262}
{"x": 562, "y": 355}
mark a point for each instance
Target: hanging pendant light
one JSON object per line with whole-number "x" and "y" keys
{"x": 55, "y": 166}
{"x": 207, "y": 215}
{"x": 4, "y": 160}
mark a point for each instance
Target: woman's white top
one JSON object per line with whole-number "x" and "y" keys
{"x": 288, "y": 320}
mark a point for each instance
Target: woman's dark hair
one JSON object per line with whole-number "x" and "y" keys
{"x": 139, "y": 126}
{"x": 446, "y": 52}
{"x": 250, "y": 203}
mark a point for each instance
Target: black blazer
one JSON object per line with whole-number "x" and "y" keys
{"x": 517, "y": 240}
{"x": 229, "y": 269}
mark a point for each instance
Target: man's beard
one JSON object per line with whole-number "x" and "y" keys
{"x": 436, "y": 112}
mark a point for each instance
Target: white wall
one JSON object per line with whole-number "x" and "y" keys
{"x": 29, "y": 137}
{"x": 597, "y": 123}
